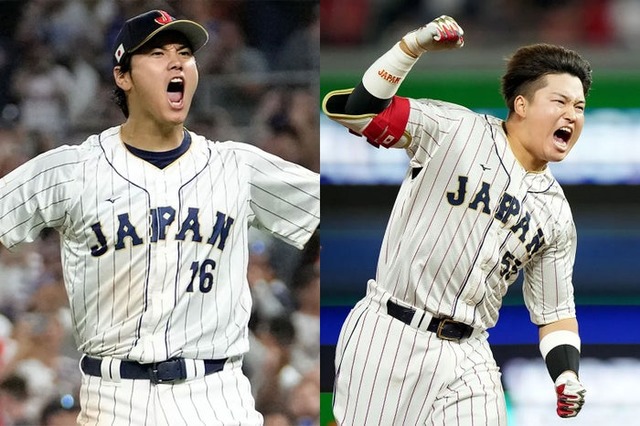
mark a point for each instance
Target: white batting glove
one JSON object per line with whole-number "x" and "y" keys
{"x": 570, "y": 392}
{"x": 440, "y": 34}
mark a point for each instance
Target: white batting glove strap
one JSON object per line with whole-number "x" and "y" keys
{"x": 440, "y": 34}
{"x": 570, "y": 393}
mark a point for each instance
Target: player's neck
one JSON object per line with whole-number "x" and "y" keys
{"x": 514, "y": 137}
{"x": 151, "y": 137}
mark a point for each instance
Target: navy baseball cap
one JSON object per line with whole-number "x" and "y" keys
{"x": 140, "y": 29}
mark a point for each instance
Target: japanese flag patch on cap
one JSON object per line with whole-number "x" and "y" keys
{"x": 140, "y": 29}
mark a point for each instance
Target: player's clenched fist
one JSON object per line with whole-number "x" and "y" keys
{"x": 440, "y": 34}
{"x": 570, "y": 393}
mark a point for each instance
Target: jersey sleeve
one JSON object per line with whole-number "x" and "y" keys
{"x": 34, "y": 196}
{"x": 431, "y": 124}
{"x": 285, "y": 197}
{"x": 417, "y": 125}
{"x": 548, "y": 287}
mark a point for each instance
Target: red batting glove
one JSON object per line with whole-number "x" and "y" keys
{"x": 570, "y": 392}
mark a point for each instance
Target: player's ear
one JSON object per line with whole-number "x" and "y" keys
{"x": 520, "y": 105}
{"x": 122, "y": 79}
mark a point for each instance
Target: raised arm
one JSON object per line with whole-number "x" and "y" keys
{"x": 359, "y": 109}
{"x": 381, "y": 81}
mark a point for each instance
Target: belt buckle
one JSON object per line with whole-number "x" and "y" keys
{"x": 153, "y": 374}
{"x": 441, "y": 325}
{"x": 167, "y": 372}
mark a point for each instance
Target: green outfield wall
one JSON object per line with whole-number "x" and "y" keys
{"x": 610, "y": 89}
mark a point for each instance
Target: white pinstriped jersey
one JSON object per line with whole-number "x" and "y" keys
{"x": 471, "y": 219}
{"x": 155, "y": 259}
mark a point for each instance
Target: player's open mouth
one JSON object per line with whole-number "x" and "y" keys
{"x": 563, "y": 135}
{"x": 175, "y": 91}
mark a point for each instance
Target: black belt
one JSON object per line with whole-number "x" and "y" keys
{"x": 445, "y": 328}
{"x": 169, "y": 371}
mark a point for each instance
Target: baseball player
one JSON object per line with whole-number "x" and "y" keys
{"x": 478, "y": 205}
{"x": 153, "y": 221}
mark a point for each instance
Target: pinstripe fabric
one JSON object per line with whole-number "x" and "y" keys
{"x": 388, "y": 373}
{"x": 222, "y": 399}
{"x": 467, "y": 220}
{"x": 155, "y": 260}
{"x": 456, "y": 256}
{"x": 136, "y": 294}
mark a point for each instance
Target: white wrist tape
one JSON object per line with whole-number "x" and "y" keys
{"x": 413, "y": 43}
{"x": 557, "y": 338}
{"x": 382, "y": 79}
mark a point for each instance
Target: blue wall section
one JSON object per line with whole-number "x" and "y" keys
{"x": 606, "y": 264}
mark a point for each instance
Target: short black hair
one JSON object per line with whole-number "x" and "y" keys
{"x": 529, "y": 64}
{"x": 118, "y": 95}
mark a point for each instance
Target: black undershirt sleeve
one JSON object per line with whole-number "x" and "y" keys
{"x": 362, "y": 102}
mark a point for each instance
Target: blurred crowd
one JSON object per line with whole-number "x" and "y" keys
{"x": 259, "y": 84}
{"x": 586, "y": 23}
